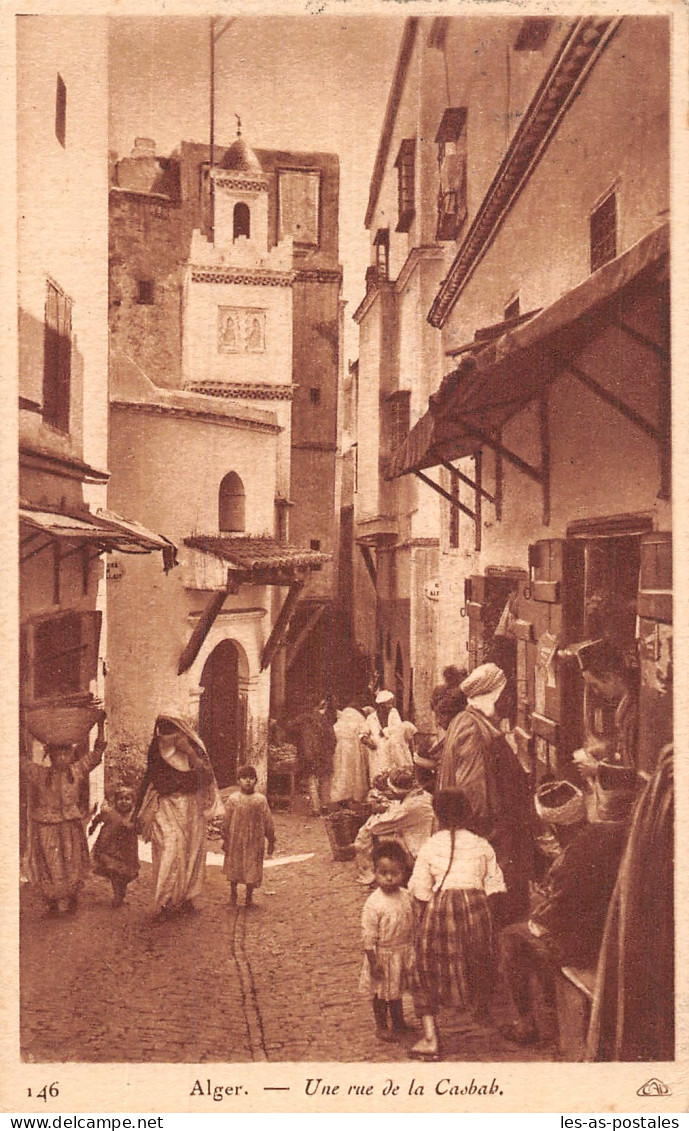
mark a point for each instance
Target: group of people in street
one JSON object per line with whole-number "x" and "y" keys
{"x": 493, "y": 875}
{"x": 171, "y": 810}
{"x": 343, "y": 752}
{"x": 474, "y": 867}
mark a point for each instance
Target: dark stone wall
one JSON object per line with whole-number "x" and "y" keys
{"x": 149, "y": 240}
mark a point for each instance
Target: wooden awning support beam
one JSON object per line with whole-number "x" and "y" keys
{"x": 39, "y": 550}
{"x": 370, "y": 564}
{"x": 615, "y": 402}
{"x": 203, "y": 627}
{"x": 540, "y": 475}
{"x": 445, "y": 494}
{"x": 496, "y": 446}
{"x": 465, "y": 479}
{"x": 281, "y": 625}
{"x": 648, "y": 343}
{"x": 295, "y": 648}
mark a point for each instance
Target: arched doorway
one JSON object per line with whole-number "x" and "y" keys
{"x": 222, "y": 711}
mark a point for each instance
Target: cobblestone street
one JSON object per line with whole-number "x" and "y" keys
{"x": 276, "y": 983}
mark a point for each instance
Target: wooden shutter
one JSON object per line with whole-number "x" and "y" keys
{"x": 474, "y": 597}
{"x": 655, "y": 647}
{"x": 551, "y": 603}
{"x": 655, "y": 577}
{"x": 61, "y": 656}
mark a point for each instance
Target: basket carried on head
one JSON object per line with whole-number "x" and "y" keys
{"x": 342, "y": 827}
{"x": 63, "y": 726}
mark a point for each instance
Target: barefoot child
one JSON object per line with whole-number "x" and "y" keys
{"x": 115, "y": 854}
{"x": 387, "y": 928}
{"x": 247, "y": 825}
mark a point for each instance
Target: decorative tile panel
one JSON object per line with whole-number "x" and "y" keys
{"x": 241, "y": 329}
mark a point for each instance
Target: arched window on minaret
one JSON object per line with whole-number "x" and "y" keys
{"x": 242, "y": 221}
{"x": 231, "y": 504}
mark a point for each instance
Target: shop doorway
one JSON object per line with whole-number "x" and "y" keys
{"x": 611, "y": 582}
{"x": 221, "y": 711}
{"x": 489, "y": 603}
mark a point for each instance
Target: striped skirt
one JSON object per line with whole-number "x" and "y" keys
{"x": 454, "y": 950}
{"x": 58, "y": 858}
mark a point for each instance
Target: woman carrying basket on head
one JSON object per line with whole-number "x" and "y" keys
{"x": 58, "y": 849}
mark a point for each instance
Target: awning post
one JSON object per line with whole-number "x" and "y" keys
{"x": 499, "y": 480}
{"x": 478, "y": 473}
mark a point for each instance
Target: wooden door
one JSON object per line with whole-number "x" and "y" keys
{"x": 486, "y": 598}
{"x": 220, "y": 717}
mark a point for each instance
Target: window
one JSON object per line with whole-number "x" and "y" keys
{"x": 405, "y": 165}
{"x": 299, "y": 192}
{"x": 451, "y": 140}
{"x": 315, "y": 396}
{"x": 231, "y": 504}
{"x": 57, "y": 358}
{"x": 61, "y": 112}
{"x": 61, "y": 655}
{"x": 145, "y": 293}
{"x": 512, "y": 308}
{"x": 397, "y": 417}
{"x": 241, "y": 221}
{"x": 533, "y": 33}
{"x": 315, "y": 543}
{"x": 603, "y": 232}
{"x": 381, "y": 248}
{"x": 453, "y": 533}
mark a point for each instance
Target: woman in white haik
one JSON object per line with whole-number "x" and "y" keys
{"x": 178, "y": 794}
{"x": 349, "y": 780}
{"x": 386, "y": 737}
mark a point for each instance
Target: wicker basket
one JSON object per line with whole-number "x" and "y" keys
{"x": 342, "y": 827}
{"x": 63, "y": 726}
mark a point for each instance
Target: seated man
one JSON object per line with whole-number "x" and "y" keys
{"x": 408, "y": 819}
{"x": 612, "y": 682}
{"x": 566, "y": 926}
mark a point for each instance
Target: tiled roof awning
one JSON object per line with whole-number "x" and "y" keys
{"x": 259, "y": 558}
{"x": 251, "y": 561}
{"x": 497, "y": 380}
{"x": 104, "y": 530}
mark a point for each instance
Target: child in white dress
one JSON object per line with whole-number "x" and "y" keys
{"x": 387, "y": 928}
